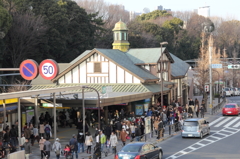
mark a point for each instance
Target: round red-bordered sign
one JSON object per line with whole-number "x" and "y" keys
{"x": 29, "y": 69}
{"x": 48, "y": 69}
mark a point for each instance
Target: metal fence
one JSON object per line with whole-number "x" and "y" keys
{"x": 218, "y": 107}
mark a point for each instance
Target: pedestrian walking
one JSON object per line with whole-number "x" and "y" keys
{"x": 41, "y": 129}
{"x": 132, "y": 130}
{"x": 47, "y": 148}
{"x": 13, "y": 136}
{"x": 190, "y": 112}
{"x": 41, "y": 147}
{"x": 89, "y": 142}
{"x": 35, "y": 135}
{"x": 27, "y": 133}
{"x": 160, "y": 129}
{"x": 56, "y": 147}
{"x": 74, "y": 145}
{"x": 197, "y": 110}
{"x": 123, "y": 136}
{"x": 6, "y": 138}
{"x": 191, "y": 105}
{"x": 47, "y": 130}
{"x": 27, "y": 148}
{"x": 137, "y": 133}
{"x": 202, "y": 110}
{"x": 81, "y": 141}
{"x": 102, "y": 140}
{"x": 22, "y": 141}
{"x": 113, "y": 142}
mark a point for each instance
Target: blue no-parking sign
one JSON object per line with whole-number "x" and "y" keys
{"x": 29, "y": 69}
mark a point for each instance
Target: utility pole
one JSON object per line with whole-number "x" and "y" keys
{"x": 210, "y": 70}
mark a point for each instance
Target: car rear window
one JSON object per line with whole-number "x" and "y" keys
{"x": 226, "y": 89}
{"x": 230, "y": 106}
{"x": 190, "y": 123}
{"x": 131, "y": 148}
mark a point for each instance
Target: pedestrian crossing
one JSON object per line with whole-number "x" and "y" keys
{"x": 225, "y": 122}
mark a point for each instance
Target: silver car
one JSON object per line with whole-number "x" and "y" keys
{"x": 195, "y": 127}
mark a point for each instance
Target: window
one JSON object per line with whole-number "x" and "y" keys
{"x": 117, "y": 36}
{"x": 131, "y": 148}
{"x": 123, "y": 36}
{"x": 190, "y": 123}
{"x": 97, "y": 67}
{"x": 151, "y": 147}
{"x": 229, "y": 106}
{"x": 145, "y": 148}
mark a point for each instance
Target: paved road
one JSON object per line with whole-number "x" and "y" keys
{"x": 223, "y": 141}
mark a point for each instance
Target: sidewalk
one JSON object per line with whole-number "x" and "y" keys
{"x": 65, "y": 134}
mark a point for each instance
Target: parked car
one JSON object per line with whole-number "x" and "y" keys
{"x": 227, "y": 91}
{"x": 235, "y": 91}
{"x": 231, "y": 109}
{"x": 139, "y": 150}
{"x": 195, "y": 127}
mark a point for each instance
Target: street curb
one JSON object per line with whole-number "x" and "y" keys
{"x": 165, "y": 138}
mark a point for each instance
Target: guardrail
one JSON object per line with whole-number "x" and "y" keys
{"x": 218, "y": 107}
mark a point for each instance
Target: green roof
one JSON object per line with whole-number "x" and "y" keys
{"x": 179, "y": 67}
{"x": 123, "y": 60}
{"x": 141, "y": 88}
{"x": 145, "y": 55}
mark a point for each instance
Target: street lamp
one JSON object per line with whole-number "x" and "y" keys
{"x": 161, "y": 71}
{"x": 98, "y": 105}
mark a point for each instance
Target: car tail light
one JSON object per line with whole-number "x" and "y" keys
{"x": 116, "y": 157}
{"x": 198, "y": 131}
{"x": 182, "y": 130}
{"x": 137, "y": 157}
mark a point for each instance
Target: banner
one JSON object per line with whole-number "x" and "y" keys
{"x": 139, "y": 109}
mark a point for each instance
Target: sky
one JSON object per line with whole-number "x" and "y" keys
{"x": 225, "y": 9}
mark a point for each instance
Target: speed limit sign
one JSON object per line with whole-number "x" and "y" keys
{"x": 48, "y": 69}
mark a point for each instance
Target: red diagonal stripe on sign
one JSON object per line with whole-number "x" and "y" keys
{"x": 28, "y": 69}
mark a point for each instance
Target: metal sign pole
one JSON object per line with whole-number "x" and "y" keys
{"x": 19, "y": 123}
{"x": 83, "y": 112}
{"x": 55, "y": 116}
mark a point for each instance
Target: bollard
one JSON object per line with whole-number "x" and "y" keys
{"x": 169, "y": 129}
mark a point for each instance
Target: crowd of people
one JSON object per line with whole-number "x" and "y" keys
{"x": 119, "y": 127}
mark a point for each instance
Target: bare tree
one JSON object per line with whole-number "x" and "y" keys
{"x": 110, "y": 13}
{"x": 23, "y": 37}
{"x": 202, "y": 69}
{"x": 20, "y": 86}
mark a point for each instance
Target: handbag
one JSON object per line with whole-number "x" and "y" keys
{"x": 127, "y": 137}
{"x": 57, "y": 152}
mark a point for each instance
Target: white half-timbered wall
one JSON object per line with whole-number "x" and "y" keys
{"x": 110, "y": 72}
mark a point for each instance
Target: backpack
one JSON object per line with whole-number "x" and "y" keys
{"x": 47, "y": 129}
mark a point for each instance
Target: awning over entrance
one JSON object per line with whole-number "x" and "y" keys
{"x": 121, "y": 93}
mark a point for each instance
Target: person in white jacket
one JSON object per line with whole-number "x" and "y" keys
{"x": 88, "y": 142}
{"x": 113, "y": 142}
{"x": 57, "y": 148}
{"x": 22, "y": 141}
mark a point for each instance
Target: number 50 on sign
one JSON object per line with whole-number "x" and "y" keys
{"x": 48, "y": 69}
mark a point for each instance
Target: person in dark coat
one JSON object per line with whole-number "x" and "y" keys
{"x": 190, "y": 112}
{"x": 122, "y": 113}
{"x": 137, "y": 133}
{"x": 97, "y": 151}
{"x": 160, "y": 129}
{"x": 108, "y": 131}
{"x": 6, "y": 138}
{"x": 73, "y": 141}
{"x": 13, "y": 136}
{"x": 118, "y": 128}
{"x": 80, "y": 125}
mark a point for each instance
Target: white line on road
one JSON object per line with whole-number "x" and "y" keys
{"x": 222, "y": 122}
{"x": 233, "y": 121}
{"x": 237, "y": 125}
{"x": 215, "y": 121}
{"x": 182, "y": 152}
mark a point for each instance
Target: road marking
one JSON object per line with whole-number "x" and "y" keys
{"x": 227, "y": 131}
{"x": 199, "y": 143}
{"x": 222, "y": 122}
{"x": 233, "y": 121}
{"x": 215, "y": 121}
{"x": 237, "y": 125}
